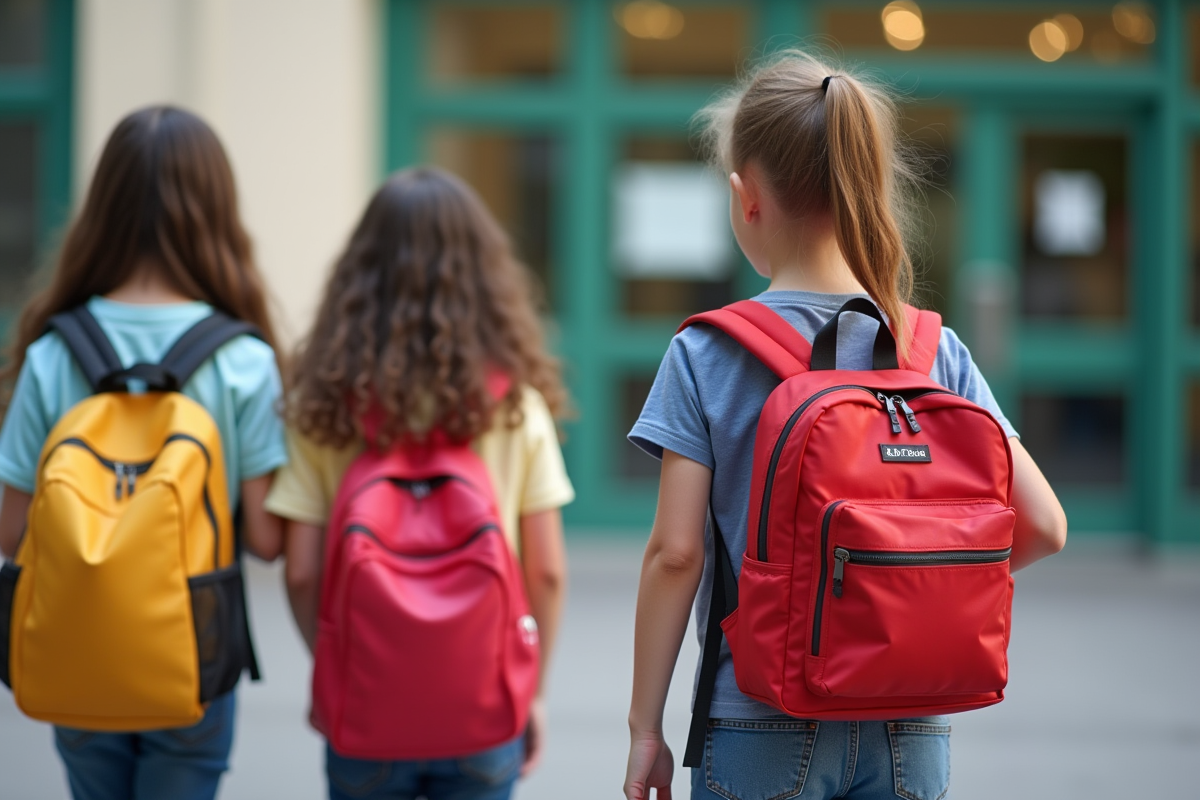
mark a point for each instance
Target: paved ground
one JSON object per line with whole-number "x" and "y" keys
{"x": 1104, "y": 700}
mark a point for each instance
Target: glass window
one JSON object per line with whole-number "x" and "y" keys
{"x": 522, "y": 41}
{"x": 1193, "y": 439}
{"x": 672, "y": 245}
{"x": 632, "y": 463}
{"x": 22, "y": 32}
{"x": 1076, "y": 438}
{"x": 1085, "y": 33}
{"x": 662, "y": 40}
{"x": 18, "y": 218}
{"x": 933, "y": 132}
{"x": 1075, "y": 227}
{"x": 516, "y": 175}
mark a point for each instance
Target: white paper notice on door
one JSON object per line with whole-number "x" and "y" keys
{"x": 671, "y": 220}
{"x": 1069, "y": 213}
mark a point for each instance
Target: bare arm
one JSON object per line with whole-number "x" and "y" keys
{"x": 14, "y": 508}
{"x": 262, "y": 531}
{"x": 671, "y": 571}
{"x": 304, "y": 554}
{"x": 1041, "y": 522}
{"x": 544, "y": 564}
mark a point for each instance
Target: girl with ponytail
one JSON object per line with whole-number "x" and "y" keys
{"x": 820, "y": 192}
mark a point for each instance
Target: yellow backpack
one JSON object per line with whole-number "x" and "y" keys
{"x": 125, "y": 608}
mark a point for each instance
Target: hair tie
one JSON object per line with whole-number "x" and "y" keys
{"x": 825, "y": 85}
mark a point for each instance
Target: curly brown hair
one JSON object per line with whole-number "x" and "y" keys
{"x": 164, "y": 191}
{"x": 426, "y": 301}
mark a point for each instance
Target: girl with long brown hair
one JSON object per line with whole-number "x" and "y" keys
{"x": 424, "y": 309}
{"x": 157, "y": 246}
{"x": 820, "y": 193}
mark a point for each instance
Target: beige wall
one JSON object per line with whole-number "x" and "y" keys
{"x": 292, "y": 88}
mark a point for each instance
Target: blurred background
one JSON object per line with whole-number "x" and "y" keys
{"x": 1061, "y": 240}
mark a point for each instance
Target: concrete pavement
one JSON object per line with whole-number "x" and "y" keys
{"x": 1104, "y": 698}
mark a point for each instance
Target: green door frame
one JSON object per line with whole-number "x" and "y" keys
{"x": 589, "y": 105}
{"x": 44, "y": 95}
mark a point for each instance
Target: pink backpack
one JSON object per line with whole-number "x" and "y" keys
{"x": 425, "y": 646}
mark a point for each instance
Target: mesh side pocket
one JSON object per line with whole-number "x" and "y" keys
{"x": 222, "y": 633}
{"x": 8, "y": 588}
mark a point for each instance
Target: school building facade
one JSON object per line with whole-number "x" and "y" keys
{"x": 1062, "y": 239}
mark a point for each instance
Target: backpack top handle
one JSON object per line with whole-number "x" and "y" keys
{"x": 883, "y": 354}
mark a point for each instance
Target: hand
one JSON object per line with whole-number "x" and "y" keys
{"x": 651, "y": 766}
{"x": 535, "y": 737}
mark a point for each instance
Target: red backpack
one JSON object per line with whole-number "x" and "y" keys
{"x": 425, "y": 646}
{"x": 875, "y": 583}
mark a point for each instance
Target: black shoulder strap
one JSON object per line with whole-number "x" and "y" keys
{"x": 722, "y": 603}
{"x": 92, "y": 350}
{"x": 199, "y": 342}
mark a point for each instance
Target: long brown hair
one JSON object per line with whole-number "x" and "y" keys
{"x": 424, "y": 303}
{"x": 828, "y": 146}
{"x": 163, "y": 193}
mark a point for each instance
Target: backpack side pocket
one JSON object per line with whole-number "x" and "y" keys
{"x": 222, "y": 633}
{"x": 9, "y": 573}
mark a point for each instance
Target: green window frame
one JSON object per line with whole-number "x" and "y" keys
{"x": 588, "y": 106}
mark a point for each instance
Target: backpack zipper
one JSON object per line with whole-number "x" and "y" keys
{"x": 126, "y": 475}
{"x": 887, "y": 558}
{"x": 887, "y": 402}
{"x": 370, "y": 534}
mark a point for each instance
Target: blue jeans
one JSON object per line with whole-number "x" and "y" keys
{"x": 489, "y": 775}
{"x": 775, "y": 760}
{"x": 179, "y": 763}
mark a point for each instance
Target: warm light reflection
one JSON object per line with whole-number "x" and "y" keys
{"x": 903, "y": 25}
{"x": 1073, "y": 28}
{"x": 650, "y": 19}
{"x": 1132, "y": 20}
{"x": 1048, "y": 40}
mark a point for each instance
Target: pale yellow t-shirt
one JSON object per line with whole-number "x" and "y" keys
{"x": 525, "y": 464}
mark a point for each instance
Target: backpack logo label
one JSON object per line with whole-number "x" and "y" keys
{"x": 905, "y": 452}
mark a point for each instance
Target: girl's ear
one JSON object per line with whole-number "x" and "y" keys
{"x": 747, "y": 195}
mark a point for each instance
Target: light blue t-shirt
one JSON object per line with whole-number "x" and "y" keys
{"x": 705, "y": 403}
{"x": 239, "y": 386}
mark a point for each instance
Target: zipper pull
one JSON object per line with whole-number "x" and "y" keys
{"x": 908, "y": 414}
{"x": 120, "y": 470}
{"x": 130, "y": 481}
{"x": 891, "y": 410}
{"x": 840, "y": 557}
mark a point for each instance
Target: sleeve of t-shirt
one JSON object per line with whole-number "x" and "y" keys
{"x": 547, "y": 485}
{"x": 259, "y": 428}
{"x": 298, "y": 492}
{"x": 24, "y": 431}
{"x": 963, "y": 378}
{"x": 672, "y": 417}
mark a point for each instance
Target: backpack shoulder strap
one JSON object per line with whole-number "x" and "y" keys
{"x": 89, "y": 345}
{"x": 198, "y": 343}
{"x": 925, "y": 334}
{"x": 768, "y": 336}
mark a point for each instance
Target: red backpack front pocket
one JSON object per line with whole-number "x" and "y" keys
{"x": 912, "y": 599}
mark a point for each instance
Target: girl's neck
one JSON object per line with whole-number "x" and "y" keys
{"x": 810, "y": 260}
{"x": 147, "y": 285}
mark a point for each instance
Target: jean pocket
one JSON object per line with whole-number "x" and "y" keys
{"x": 749, "y": 760}
{"x": 72, "y": 738}
{"x": 497, "y": 766}
{"x": 212, "y": 725}
{"x": 356, "y": 777}
{"x": 920, "y": 757}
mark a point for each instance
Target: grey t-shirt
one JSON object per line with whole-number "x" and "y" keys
{"x": 705, "y": 404}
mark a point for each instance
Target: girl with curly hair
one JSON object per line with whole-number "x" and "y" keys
{"x": 426, "y": 306}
